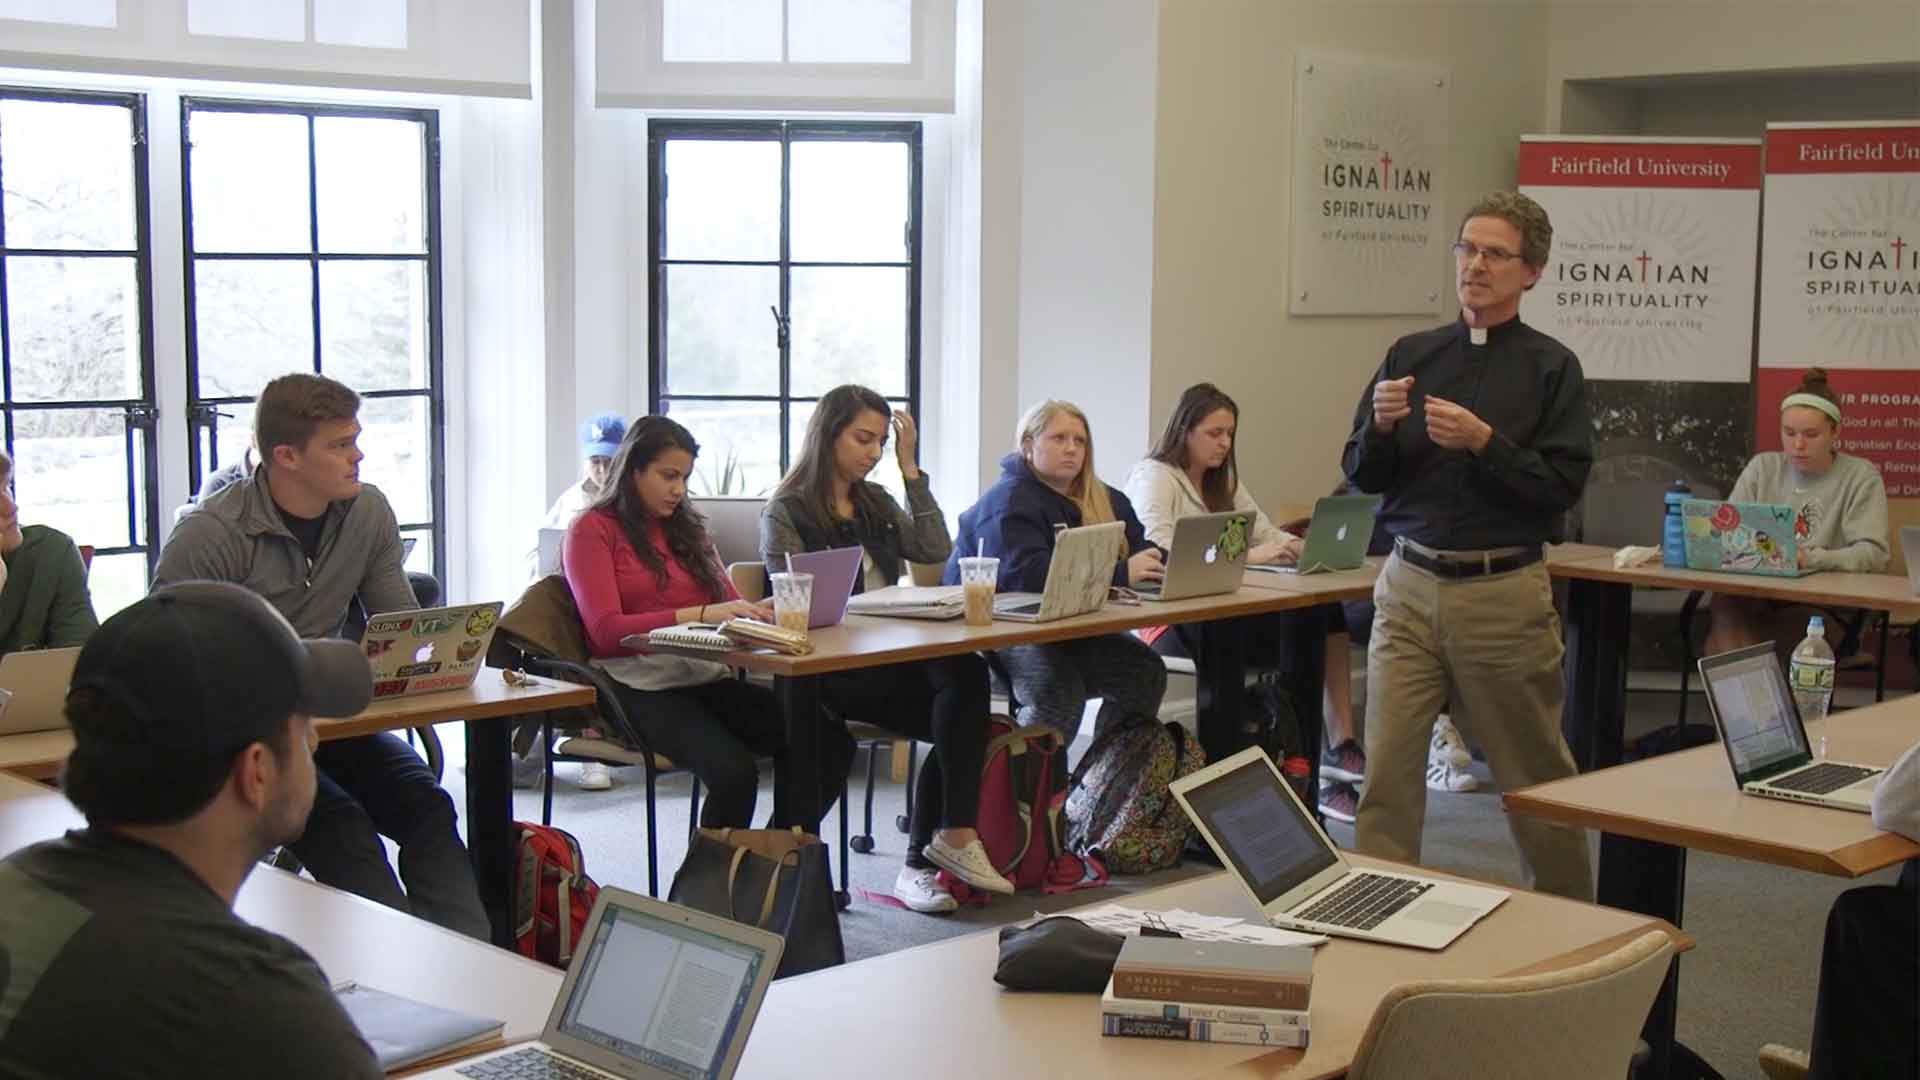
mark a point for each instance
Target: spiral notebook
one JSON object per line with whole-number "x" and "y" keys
{"x": 693, "y": 635}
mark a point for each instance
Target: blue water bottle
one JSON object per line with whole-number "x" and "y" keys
{"x": 1673, "y": 545}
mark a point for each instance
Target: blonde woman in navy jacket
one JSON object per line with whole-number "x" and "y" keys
{"x": 1048, "y": 483}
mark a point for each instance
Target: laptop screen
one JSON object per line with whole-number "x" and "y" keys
{"x": 661, "y": 993}
{"x": 1757, "y": 716}
{"x": 1261, "y": 829}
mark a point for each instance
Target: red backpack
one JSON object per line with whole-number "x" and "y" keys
{"x": 1020, "y": 818}
{"x": 552, "y": 894}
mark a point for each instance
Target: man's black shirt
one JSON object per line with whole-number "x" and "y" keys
{"x": 1524, "y": 384}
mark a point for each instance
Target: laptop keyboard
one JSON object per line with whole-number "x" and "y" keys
{"x": 1365, "y": 901}
{"x": 532, "y": 1063}
{"x": 1823, "y": 778}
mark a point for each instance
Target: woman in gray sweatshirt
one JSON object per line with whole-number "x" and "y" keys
{"x": 1839, "y": 512}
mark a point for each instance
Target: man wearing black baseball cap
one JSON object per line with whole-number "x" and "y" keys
{"x": 120, "y": 955}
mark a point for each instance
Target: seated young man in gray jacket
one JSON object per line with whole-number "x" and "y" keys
{"x": 306, "y": 534}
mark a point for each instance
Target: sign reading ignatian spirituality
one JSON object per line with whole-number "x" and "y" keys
{"x": 1370, "y": 145}
{"x": 1840, "y": 285}
{"x": 1651, "y": 275}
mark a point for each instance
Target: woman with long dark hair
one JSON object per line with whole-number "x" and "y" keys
{"x": 1194, "y": 470}
{"x": 639, "y": 559}
{"x": 826, "y": 501}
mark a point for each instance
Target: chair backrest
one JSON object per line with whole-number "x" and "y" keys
{"x": 1577, "y": 1023}
{"x": 749, "y": 579}
{"x": 86, "y": 557}
{"x": 1622, "y": 512}
{"x": 734, "y": 525}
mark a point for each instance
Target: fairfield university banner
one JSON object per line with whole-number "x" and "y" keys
{"x": 1840, "y": 285}
{"x": 1654, "y": 242}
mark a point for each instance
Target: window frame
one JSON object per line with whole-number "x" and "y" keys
{"x": 202, "y": 413}
{"x": 142, "y": 413}
{"x": 786, "y": 133}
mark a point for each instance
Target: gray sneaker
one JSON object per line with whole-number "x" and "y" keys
{"x": 528, "y": 770}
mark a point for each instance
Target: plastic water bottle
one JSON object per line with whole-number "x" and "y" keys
{"x": 1673, "y": 544}
{"x": 1812, "y": 672}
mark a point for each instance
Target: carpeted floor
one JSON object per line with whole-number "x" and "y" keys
{"x": 1751, "y": 980}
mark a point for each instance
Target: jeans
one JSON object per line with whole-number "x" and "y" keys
{"x": 373, "y": 786}
{"x": 943, "y": 701}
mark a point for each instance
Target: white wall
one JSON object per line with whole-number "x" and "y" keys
{"x": 1223, "y": 197}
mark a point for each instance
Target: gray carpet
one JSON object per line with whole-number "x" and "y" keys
{"x": 1750, "y": 981}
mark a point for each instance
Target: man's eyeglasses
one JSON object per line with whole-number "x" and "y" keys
{"x": 1466, "y": 252}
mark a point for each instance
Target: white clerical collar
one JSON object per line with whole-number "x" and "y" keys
{"x": 1477, "y": 335}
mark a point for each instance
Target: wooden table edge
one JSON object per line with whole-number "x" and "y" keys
{"x": 1601, "y": 569}
{"x": 1852, "y": 861}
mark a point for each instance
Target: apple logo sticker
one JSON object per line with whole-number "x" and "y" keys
{"x": 1342, "y": 534}
{"x": 423, "y": 654}
{"x": 1212, "y": 553}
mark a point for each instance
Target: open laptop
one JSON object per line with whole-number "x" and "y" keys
{"x": 1741, "y": 538}
{"x": 1759, "y": 724}
{"x": 657, "y": 990}
{"x": 1337, "y": 538}
{"x": 427, "y": 651}
{"x": 834, "y": 572}
{"x": 1910, "y": 547}
{"x": 36, "y": 682}
{"x": 1208, "y": 556}
{"x": 1299, "y": 880}
{"x": 1078, "y": 576}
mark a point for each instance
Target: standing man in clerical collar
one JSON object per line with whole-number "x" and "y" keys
{"x": 304, "y": 533}
{"x": 1477, "y": 435}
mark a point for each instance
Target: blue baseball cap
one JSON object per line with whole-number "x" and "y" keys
{"x": 601, "y": 436}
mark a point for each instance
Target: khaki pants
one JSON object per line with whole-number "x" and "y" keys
{"x": 1494, "y": 643}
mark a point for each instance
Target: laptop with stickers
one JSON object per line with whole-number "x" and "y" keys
{"x": 1741, "y": 538}
{"x": 1078, "y": 576}
{"x": 427, "y": 651}
{"x": 1208, "y": 557}
{"x": 657, "y": 990}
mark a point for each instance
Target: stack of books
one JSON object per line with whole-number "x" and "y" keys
{"x": 1203, "y": 991}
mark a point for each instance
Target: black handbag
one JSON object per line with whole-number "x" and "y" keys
{"x": 1060, "y": 953}
{"x": 775, "y": 879}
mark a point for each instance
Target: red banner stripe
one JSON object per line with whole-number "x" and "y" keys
{"x": 1639, "y": 165}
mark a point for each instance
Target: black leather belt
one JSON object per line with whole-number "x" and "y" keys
{"x": 1460, "y": 569}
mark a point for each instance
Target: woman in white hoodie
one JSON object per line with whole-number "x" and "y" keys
{"x": 1193, "y": 470}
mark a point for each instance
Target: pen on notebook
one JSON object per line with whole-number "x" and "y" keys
{"x": 345, "y": 985}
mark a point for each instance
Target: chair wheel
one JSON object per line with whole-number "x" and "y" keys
{"x": 900, "y": 822}
{"x": 861, "y": 844}
{"x": 842, "y": 899}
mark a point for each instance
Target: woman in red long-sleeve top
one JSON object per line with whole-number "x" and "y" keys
{"x": 639, "y": 559}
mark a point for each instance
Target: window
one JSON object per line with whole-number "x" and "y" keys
{"x": 785, "y": 262}
{"x": 312, "y": 244}
{"x": 76, "y": 350}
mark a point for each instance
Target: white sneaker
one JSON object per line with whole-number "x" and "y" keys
{"x": 1447, "y": 745}
{"x": 970, "y": 864}
{"x": 595, "y": 776}
{"x": 921, "y": 891}
{"x": 1444, "y": 777}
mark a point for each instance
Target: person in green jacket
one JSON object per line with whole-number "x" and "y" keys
{"x": 44, "y": 603}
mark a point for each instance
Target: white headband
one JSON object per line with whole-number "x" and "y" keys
{"x": 1811, "y": 401}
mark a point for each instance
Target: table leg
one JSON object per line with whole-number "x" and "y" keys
{"x": 1222, "y": 671}
{"x": 1599, "y": 615}
{"x": 1651, "y": 878}
{"x": 1306, "y": 676}
{"x": 796, "y": 781}
{"x": 490, "y": 820}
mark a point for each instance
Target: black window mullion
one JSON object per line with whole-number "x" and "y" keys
{"x": 784, "y": 341}
{"x": 313, "y": 234}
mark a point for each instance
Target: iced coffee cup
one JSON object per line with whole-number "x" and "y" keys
{"x": 978, "y": 575}
{"x": 792, "y": 601}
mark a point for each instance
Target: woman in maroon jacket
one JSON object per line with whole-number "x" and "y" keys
{"x": 639, "y": 559}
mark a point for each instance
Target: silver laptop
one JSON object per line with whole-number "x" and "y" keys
{"x": 1910, "y": 547}
{"x": 1337, "y": 537}
{"x": 1208, "y": 557}
{"x": 657, "y": 990}
{"x": 1298, "y": 879}
{"x": 35, "y": 683}
{"x": 1078, "y": 576}
{"x": 427, "y": 651}
{"x": 1759, "y": 724}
